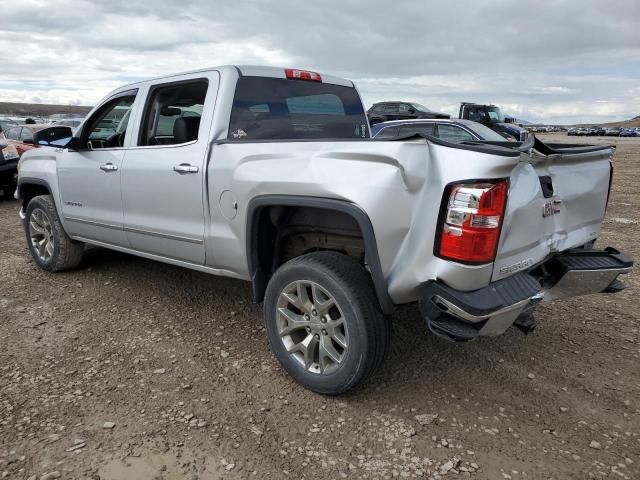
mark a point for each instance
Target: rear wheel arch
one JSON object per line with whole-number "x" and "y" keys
{"x": 261, "y": 235}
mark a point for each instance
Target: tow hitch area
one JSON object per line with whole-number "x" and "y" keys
{"x": 462, "y": 316}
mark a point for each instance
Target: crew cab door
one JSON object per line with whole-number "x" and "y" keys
{"x": 89, "y": 177}
{"x": 163, "y": 175}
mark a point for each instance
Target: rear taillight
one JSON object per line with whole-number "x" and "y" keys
{"x": 472, "y": 220}
{"x": 293, "y": 74}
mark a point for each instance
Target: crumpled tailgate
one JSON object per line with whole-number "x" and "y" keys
{"x": 557, "y": 201}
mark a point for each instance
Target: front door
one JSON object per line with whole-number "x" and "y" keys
{"x": 163, "y": 176}
{"x": 89, "y": 178}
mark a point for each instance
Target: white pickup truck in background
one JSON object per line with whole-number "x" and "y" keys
{"x": 269, "y": 175}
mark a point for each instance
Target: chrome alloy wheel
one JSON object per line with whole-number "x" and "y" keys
{"x": 41, "y": 234}
{"x": 312, "y": 327}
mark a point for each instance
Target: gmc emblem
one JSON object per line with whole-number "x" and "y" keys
{"x": 552, "y": 207}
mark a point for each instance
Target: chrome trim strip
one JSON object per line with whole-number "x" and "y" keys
{"x": 164, "y": 235}
{"x": 92, "y": 223}
{"x": 171, "y": 261}
{"x": 135, "y": 230}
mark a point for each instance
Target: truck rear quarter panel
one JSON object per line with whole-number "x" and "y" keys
{"x": 398, "y": 184}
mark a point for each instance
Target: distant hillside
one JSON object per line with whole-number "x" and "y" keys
{"x": 634, "y": 122}
{"x": 41, "y": 110}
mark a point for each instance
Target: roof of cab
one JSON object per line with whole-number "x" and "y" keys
{"x": 248, "y": 71}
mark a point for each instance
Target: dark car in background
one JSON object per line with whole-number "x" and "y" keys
{"x": 387, "y": 111}
{"x": 451, "y": 130}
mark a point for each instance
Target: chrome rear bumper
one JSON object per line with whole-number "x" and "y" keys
{"x": 584, "y": 272}
{"x": 489, "y": 311}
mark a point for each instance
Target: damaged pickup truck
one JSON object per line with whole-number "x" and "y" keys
{"x": 269, "y": 175}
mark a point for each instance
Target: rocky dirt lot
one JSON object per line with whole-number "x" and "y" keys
{"x": 129, "y": 369}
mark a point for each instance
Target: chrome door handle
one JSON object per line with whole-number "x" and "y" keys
{"x": 185, "y": 168}
{"x": 108, "y": 167}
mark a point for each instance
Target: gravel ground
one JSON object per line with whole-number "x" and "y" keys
{"x": 130, "y": 369}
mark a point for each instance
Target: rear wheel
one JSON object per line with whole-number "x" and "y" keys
{"x": 50, "y": 246}
{"x": 324, "y": 323}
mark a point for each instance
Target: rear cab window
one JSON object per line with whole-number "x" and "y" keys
{"x": 289, "y": 109}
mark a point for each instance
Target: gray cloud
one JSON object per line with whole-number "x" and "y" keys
{"x": 564, "y": 62}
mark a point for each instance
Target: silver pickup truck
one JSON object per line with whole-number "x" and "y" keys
{"x": 269, "y": 175}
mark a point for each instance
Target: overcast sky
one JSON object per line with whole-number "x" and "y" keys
{"x": 561, "y": 61}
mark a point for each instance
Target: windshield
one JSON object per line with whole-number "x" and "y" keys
{"x": 420, "y": 108}
{"x": 495, "y": 115}
{"x": 485, "y": 133}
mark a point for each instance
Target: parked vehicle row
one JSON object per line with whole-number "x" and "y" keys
{"x": 630, "y": 132}
{"x": 273, "y": 178}
{"x": 604, "y": 131}
{"x": 544, "y": 129}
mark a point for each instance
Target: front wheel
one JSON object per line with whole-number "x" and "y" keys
{"x": 50, "y": 246}
{"x": 324, "y": 322}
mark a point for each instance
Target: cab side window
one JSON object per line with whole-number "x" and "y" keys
{"x": 388, "y": 132}
{"x": 453, "y": 134}
{"x": 418, "y": 129}
{"x": 108, "y": 126}
{"x": 172, "y": 113}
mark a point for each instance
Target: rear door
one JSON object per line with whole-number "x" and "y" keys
{"x": 557, "y": 201}
{"x": 163, "y": 174}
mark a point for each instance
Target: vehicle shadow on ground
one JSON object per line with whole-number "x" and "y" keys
{"x": 418, "y": 359}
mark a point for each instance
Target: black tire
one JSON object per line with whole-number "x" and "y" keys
{"x": 367, "y": 330}
{"x": 66, "y": 253}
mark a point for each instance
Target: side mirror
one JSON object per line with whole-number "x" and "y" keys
{"x": 73, "y": 145}
{"x": 411, "y": 111}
